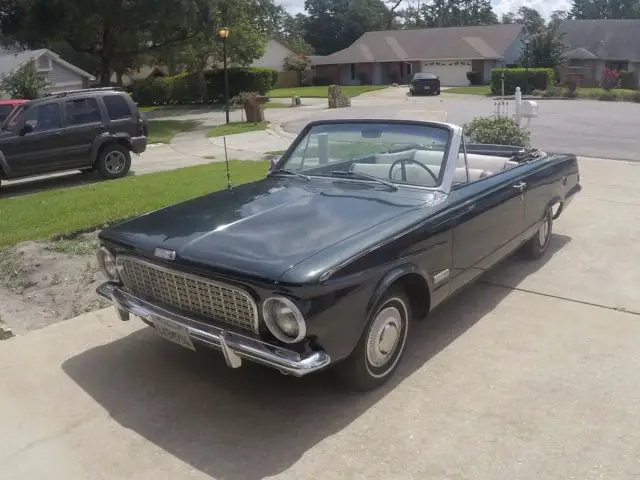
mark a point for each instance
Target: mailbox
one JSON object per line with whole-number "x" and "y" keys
{"x": 529, "y": 109}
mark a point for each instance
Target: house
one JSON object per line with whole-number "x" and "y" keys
{"x": 275, "y": 53}
{"x": 384, "y": 57}
{"x": 593, "y": 45}
{"x": 60, "y": 74}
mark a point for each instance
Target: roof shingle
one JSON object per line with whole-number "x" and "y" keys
{"x": 448, "y": 43}
{"x": 605, "y": 39}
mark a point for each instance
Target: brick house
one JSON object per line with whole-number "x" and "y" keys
{"x": 384, "y": 57}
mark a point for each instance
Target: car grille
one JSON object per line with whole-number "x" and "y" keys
{"x": 189, "y": 294}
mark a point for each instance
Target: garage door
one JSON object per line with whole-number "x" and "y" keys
{"x": 452, "y": 74}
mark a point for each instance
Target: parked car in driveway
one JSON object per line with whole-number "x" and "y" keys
{"x": 92, "y": 129}
{"x": 424, "y": 83}
{"x": 361, "y": 228}
{"x": 9, "y": 105}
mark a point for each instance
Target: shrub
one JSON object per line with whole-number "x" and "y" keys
{"x": 183, "y": 88}
{"x": 570, "y": 94}
{"x": 551, "y": 92}
{"x": 610, "y": 78}
{"x": 635, "y": 97}
{"x": 628, "y": 80}
{"x": 500, "y": 130}
{"x": 474, "y": 78}
{"x": 537, "y": 93}
{"x": 533, "y": 78}
{"x": 608, "y": 97}
{"x": 571, "y": 84}
{"x": 25, "y": 82}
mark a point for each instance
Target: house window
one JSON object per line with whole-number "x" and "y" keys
{"x": 618, "y": 65}
{"x": 44, "y": 64}
{"x": 353, "y": 71}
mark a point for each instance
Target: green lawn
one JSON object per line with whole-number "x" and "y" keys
{"x": 322, "y": 92}
{"x": 597, "y": 92}
{"x": 277, "y": 105}
{"x": 471, "y": 90}
{"x": 162, "y": 131}
{"x": 236, "y": 127}
{"x": 51, "y": 213}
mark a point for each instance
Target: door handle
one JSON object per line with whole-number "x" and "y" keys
{"x": 520, "y": 186}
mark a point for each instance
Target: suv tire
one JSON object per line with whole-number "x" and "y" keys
{"x": 114, "y": 161}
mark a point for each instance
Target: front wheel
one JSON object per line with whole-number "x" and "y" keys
{"x": 537, "y": 245}
{"x": 378, "y": 352}
{"x": 114, "y": 161}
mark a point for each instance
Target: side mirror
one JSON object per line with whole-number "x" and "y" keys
{"x": 273, "y": 164}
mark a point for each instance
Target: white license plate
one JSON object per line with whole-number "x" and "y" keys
{"x": 173, "y": 332}
{"x": 426, "y": 87}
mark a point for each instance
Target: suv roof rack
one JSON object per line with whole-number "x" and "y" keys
{"x": 84, "y": 90}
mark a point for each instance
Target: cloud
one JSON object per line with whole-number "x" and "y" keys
{"x": 545, "y": 7}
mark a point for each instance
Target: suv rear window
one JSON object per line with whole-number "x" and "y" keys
{"x": 117, "y": 107}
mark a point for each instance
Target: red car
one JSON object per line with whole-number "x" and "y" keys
{"x": 8, "y": 105}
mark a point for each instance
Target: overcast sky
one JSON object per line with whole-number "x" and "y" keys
{"x": 545, "y": 7}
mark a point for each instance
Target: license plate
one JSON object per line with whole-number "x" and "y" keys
{"x": 426, "y": 87}
{"x": 173, "y": 332}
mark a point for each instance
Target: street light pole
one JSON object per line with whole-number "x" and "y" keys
{"x": 223, "y": 33}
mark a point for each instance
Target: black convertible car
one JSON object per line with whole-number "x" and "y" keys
{"x": 361, "y": 227}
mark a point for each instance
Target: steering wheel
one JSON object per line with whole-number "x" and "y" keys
{"x": 404, "y": 161}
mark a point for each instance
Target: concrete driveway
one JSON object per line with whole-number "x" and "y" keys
{"x": 529, "y": 374}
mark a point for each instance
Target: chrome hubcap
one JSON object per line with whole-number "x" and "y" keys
{"x": 543, "y": 233}
{"x": 384, "y": 336}
{"x": 115, "y": 162}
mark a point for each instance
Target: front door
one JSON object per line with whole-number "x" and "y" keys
{"x": 489, "y": 222}
{"x": 40, "y": 148}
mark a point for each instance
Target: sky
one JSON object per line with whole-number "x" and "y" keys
{"x": 545, "y": 7}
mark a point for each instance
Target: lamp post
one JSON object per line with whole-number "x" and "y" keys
{"x": 526, "y": 65}
{"x": 223, "y": 33}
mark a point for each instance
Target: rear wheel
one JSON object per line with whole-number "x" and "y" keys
{"x": 114, "y": 161}
{"x": 380, "y": 348}
{"x": 537, "y": 245}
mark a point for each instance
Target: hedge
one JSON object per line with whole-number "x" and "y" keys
{"x": 183, "y": 88}
{"x": 529, "y": 79}
{"x": 628, "y": 80}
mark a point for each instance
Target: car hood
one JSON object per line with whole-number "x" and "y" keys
{"x": 264, "y": 228}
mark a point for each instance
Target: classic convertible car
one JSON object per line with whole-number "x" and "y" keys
{"x": 360, "y": 228}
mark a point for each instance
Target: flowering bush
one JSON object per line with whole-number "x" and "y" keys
{"x": 501, "y": 131}
{"x": 610, "y": 78}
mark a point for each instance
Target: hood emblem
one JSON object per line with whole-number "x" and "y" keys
{"x": 164, "y": 253}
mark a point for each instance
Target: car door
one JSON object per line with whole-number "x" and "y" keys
{"x": 489, "y": 220}
{"x": 40, "y": 149}
{"x": 83, "y": 123}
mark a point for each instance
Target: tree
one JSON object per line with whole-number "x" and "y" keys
{"x": 530, "y": 18}
{"x": 105, "y": 30}
{"x": 335, "y": 24}
{"x": 446, "y": 13}
{"x": 605, "y": 9}
{"x": 25, "y": 82}
{"x": 546, "y": 48}
{"x": 296, "y": 63}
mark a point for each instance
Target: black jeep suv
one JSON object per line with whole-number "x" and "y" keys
{"x": 92, "y": 129}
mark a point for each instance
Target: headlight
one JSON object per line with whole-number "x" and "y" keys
{"x": 107, "y": 263}
{"x": 284, "y": 319}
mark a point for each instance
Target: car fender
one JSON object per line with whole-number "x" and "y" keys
{"x": 103, "y": 138}
{"x": 393, "y": 276}
{"x": 4, "y": 166}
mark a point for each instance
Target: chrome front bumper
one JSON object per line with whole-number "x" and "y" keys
{"x": 234, "y": 347}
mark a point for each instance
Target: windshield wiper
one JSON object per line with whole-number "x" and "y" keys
{"x": 351, "y": 173}
{"x": 286, "y": 171}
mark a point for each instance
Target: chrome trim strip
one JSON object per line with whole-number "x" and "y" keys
{"x": 173, "y": 271}
{"x": 441, "y": 276}
{"x": 234, "y": 346}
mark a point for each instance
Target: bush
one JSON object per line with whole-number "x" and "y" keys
{"x": 538, "y": 93}
{"x": 608, "y": 97}
{"x": 628, "y": 80}
{"x": 501, "y": 131}
{"x": 183, "y": 88}
{"x": 533, "y": 78}
{"x": 551, "y": 92}
{"x": 570, "y": 94}
{"x": 635, "y": 97}
{"x": 474, "y": 78}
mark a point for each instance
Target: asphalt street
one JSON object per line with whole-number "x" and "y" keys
{"x": 584, "y": 127}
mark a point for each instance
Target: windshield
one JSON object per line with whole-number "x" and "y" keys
{"x": 403, "y": 153}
